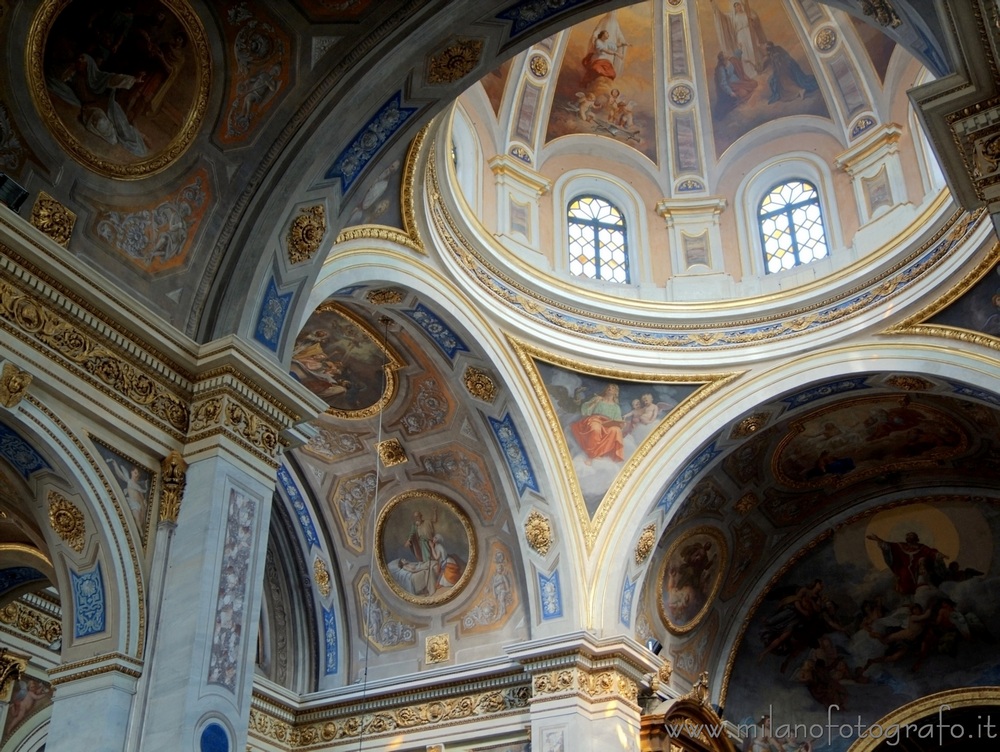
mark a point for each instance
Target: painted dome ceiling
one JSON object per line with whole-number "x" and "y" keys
{"x": 684, "y": 116}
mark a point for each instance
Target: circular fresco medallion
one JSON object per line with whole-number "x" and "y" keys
{"x": 123, "y": 85}
{"x": 425, "y": 546}
{"x": 690, "y": 578}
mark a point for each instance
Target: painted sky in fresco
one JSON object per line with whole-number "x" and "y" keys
{"x": 606, "y": 82}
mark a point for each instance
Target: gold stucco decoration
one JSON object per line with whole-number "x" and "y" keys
{"x": 700, "y": 692}
{"x": 909, "y": 383}
{"x": 67, "y": 521}
{"x": 14, "y": 384}
{"x": 454, "y": 62}
{"x": 538, "y": 533}
{"x": 644, "y": 546}
{"x": 305, "y": 235}
{"x": 321, "y": 576}
{"x": 480, "y": 384}
{"x": 384, "y": 296}
{"x": 749, "y": 425}
{"x": 882, "y": 12}
{"x": 52, "y": 218}
{"x": 12, "y": 668}
{"x": 539, "y": 66}
{"x": 391, "y": 452}
{"x": 33, "y": 624}
{"x": 826, "y": 39}
{"x": 437, "y": 648}
{"x": 746, "y": 503}
{"x": 174, "y": 472}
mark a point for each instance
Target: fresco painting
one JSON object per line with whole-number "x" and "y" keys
{"x": 894, "y": 605}
{"x": 126, "y": 81}
{"x": 879, "y": 46}
{"x": 494, "y": 83}
{"x": 604, "y": 421}
{"x": 134, "y": 481}
{"x": 606, "y": 82}
{"x": 29, "y": 696}
{"x": 863, "y": 438}
{"x": 690, "y": 578}
{"x": 978, "y": 309}
{"x": 426, "y": 547}
{"x": 336, "y": 11}
{"x": 756, "y": 66}
{"x": 339, "y": 358}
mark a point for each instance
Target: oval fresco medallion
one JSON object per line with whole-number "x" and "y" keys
{"x": 865, "y": 437}
{"x": 340, "y": 358}
{"x": 123, "y": 85}
{"x": 426, "y": 547}
{"x": 690, "y": 578}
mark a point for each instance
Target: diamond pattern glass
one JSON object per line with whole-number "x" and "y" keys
{"x": 597, "y": 245}
{"x": 791, "y": 226}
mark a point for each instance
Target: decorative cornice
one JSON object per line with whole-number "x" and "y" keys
{"x": 505, "y": 167}
{"x": 284, "y": 727}
{"x": 100, "y": 664}
{"x": 593, "y": 685}
{"x": 31, "y": 623}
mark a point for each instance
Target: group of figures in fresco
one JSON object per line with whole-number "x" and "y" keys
{"x": 747, "y": 56}
{"x": 887, "y": 612}
{"x": 118, "y": 67}
{"x": 430, "y": 567}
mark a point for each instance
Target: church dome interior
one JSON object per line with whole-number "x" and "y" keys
{"x": 499, "y": 376}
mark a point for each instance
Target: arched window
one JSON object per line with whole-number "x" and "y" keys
{"x": 597, "y": 248}
{"x": 791, "y": 226}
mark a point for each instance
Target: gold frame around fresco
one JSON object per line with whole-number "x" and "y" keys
{"x": 470, "y": 532}
{"x": 392, "y": 362}
{"x": 723, "y": 553}
{"x": 41, "y": 26}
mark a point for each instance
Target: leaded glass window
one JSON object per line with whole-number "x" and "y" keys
{"x": 791, "y": 226}
{"x": 597, "y": 242}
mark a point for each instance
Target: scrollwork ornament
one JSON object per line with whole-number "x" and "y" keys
{"x": 174, "y": 476}
{"x": 826, "y": 39}
{"x": 12, "y": 668}
{"x": 67, "y": 521}
{"x": 882, "y": 12}
{"x": 14, "y": 384}
{"x": 384, "y": 296}
{"x": 538, "y": 533}
{"x": 644, "y": 546}
{"x": 52, "y": 218}
{"x": 480, "y": 384}
{"x": 391, "y": 452}
{"x": 437, "y": 649}
{"x": 305, "y": 235}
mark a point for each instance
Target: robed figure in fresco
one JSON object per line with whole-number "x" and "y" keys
{"x": 600, "y": 432}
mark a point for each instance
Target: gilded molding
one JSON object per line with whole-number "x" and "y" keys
{"x": 102, "y": 664}
{"x": 455, "y": 62}
{"x": 33, "y": 624}
{"x": 12, "y": 667}
{"x": 437, "y": 648}
{"x": 321, "y": 576}
{"x": 305, "y": 234}
{"x": 173, "y": 472}
{"x": 699, "y": 692}
{"x": 480, "y": 384}
{"x": 601, "y": 684}
{"x": 67, "y": 521}
{"x": 746, "y": 503}
{"x": 53, "y": 219}
{"x": 14, "y": 384}
{"x": 250, "y": 427}
{"x": 538, "y": 533}
{"x": 644, "y": 546}
{"x": 280, "y": 726}
{"x": 37, "y": 320}
{"x": 391, "y": 452}
{"x": 883, "y": 13}
{"x": 909, "y": 383}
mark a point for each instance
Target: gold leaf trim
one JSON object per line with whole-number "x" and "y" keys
{"x": 67, "y": 521}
